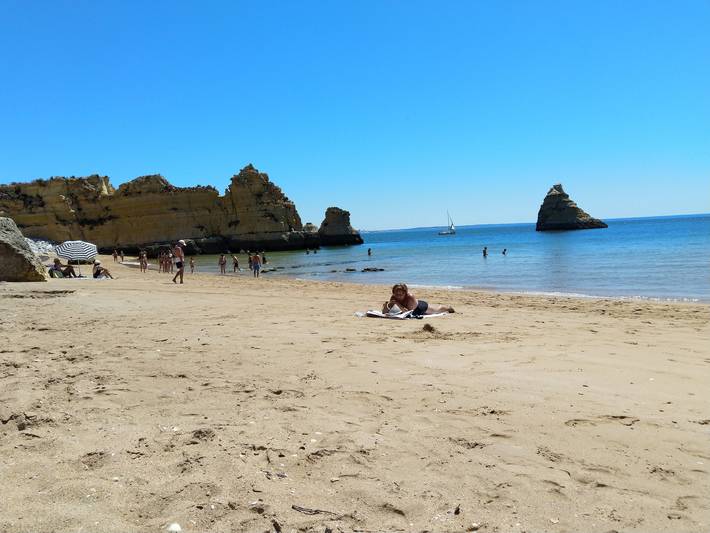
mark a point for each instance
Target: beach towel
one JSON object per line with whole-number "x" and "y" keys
{"x": 395, "y": 316}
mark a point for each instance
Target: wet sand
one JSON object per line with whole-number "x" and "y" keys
{"x": 234, "y": 404}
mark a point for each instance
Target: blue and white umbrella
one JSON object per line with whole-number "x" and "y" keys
{"x": 76, "y": 250}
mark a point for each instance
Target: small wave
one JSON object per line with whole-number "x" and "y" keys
{"x": 446, "y": 287}
{"x": 605, "y": 297}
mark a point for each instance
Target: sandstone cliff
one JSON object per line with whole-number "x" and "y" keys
{"x": 336, "y": 228}
{"x": 17, "y": 261}
{"x": 253, "y": 213}
{"x": 559, "y": 212}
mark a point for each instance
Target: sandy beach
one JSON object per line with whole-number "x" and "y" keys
{"x": 235, "y": 404}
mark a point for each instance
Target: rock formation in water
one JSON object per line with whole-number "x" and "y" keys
{"x": 336, "y": 228}
{"x": 148, "y": 211}
{"x": 559, "y": 212}
{"x": 17, "y": 260}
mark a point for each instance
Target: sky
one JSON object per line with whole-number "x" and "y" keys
{"x": 395, "y": 110}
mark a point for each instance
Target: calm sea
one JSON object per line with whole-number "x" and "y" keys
{"x": 656, "y": 258}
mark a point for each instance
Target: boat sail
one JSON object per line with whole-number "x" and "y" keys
{"x": 452, "y": 228}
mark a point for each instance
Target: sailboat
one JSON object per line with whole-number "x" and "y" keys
{"x": 452, "y": 228}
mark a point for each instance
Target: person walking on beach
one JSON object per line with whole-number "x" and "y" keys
{"x": 192, "y": 265}
{"x": 485, "y": 251}
{"x": 222, "y": 263}
{"x": 179, "y": 260}
{"x": 256, "y": 264}
{"x": 406, "y": 301}
{"x": 235, "y": 263}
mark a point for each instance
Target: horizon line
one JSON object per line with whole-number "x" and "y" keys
{"x": 616, "y": 219}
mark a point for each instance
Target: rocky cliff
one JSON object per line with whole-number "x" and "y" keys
{"x": 559, "y": 212}
{"x": 336, "y": 228}
{"x": 17, "y": 261}
{"x": 253, "y": 213}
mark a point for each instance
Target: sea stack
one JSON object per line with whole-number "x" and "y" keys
{"x": 559, "y": 212}
{"x": 336, "y": 228}
{"x": 17, "y": 260}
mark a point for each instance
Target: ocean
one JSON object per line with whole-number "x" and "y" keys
{"x": 659, "y": 258}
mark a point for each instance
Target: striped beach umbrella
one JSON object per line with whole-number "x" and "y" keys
{"x": 76, "y": 250}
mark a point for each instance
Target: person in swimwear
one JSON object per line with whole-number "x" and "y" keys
{"x": 406, "y": 301}
{"x": 100, "y": 272}
{"x": 66, "y": 270}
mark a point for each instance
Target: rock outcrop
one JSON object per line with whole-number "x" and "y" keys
{"x": 17, "y": 261}
{"x": 559, "y": 212}
{"x": 253, "y": 213}
{"x": 336, "y": 228}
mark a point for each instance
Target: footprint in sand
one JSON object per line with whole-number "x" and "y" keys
{"x": 622, "y": 419}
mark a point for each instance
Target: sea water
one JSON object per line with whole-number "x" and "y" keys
{"x": 665, "y": 258}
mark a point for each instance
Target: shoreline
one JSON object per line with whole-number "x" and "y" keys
{"x": 462, "y": 288}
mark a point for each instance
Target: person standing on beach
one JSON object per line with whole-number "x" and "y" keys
{"x": 222, "y": 263}
{"x": 115, "y": 255}
{"x": 121, "y": 254}
{"x": 179, "y": 260}
{"x": 235, "y": 263}
{"x": 485, "y": 251}
{"x": 256, "y": 264}
{"x": 143, "y": 260}
{"x": 192, "y": 265}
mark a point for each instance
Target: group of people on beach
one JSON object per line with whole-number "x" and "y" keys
{"x": 59, "y": 270}
{"x": 256, "y": 261}
{"x": 401, "y": 300}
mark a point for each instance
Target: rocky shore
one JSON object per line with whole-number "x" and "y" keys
{"x": 149, "y": 212}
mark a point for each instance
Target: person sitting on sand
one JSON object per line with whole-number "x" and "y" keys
{"x": 101, "y": 272}
{"x": 406, "y": 301}
{"x": 67, "y": 271}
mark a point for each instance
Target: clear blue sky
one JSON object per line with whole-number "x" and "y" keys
{"x": 395, "y": 110}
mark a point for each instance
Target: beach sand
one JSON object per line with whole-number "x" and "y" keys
{"x": 234, "y": 404}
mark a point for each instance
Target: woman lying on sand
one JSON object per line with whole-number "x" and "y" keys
{"x": 405, "y": 300}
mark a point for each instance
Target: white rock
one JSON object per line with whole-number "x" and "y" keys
{"x": 174, "y": 528}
